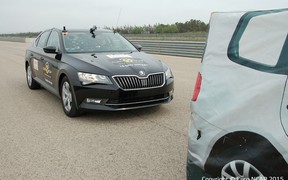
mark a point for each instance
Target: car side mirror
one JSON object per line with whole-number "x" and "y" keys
{"x": 51, "y": 49}
{"x": 138, "y": 47}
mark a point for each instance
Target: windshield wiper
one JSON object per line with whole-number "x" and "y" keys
{"x": 94, "y": 55}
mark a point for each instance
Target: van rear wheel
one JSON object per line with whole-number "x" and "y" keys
{"x": 240, "y": 168}
{"x": 246, "y": 154}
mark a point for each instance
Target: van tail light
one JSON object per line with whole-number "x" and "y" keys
{"x": 197, "y": 87}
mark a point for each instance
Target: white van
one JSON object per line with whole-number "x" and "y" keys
{"x": 239, "y": 109}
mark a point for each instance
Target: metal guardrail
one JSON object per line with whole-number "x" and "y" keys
{"x": 192, "y": 49}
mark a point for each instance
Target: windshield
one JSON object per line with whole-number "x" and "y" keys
{"x": 83, "y": 42}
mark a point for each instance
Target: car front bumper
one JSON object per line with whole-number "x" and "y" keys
{"x": 112, "y": 98}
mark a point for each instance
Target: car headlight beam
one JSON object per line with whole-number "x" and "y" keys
{"x": 87, "y": 78}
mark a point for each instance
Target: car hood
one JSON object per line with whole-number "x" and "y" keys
{"x": 120, "y": 63}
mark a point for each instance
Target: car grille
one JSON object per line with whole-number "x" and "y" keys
{"x": 133, "y": 82}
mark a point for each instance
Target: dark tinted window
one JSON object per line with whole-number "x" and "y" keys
{"x": 43, "y": 39}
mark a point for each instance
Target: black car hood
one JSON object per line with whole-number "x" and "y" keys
{"x": 120, "y": 63}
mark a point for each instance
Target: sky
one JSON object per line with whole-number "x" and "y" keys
{"x": 38, "y": 15}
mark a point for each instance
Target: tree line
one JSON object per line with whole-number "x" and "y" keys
{"x": 178, "y": 27}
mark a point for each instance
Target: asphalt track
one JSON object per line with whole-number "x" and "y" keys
{"x": 37, "y": 140}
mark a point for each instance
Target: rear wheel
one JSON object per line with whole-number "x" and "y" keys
{"x": 240, "y": 169}
{"x": 32, "y": 84}
{"x": 245, "y": 154}
{"x": 67, "y": 99}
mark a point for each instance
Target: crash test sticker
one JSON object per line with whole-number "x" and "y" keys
{"x": 35, "y": 64}
{"x": 112, "y": 56}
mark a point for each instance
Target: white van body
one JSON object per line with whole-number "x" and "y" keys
{"x": 239, "y": 114}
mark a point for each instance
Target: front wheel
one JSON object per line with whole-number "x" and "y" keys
{"x": 32, "y": 84}
{"x": 67, "y": 99}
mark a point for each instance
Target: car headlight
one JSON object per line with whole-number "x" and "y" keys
{"x": 87, "y": 78}
{"x": 168, "y": 73}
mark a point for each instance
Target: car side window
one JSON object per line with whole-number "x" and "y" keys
{"x": 266, "y": 54}
{"x": 53, "y": 39}
{"x": 43, "y": 39}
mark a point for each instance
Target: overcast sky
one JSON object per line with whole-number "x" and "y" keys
{"x": 37, "y": 15}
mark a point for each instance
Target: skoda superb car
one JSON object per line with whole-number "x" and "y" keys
{"x": 96, "y": 70}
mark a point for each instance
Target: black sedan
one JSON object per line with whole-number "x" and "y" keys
{"x": 96, "y": 70}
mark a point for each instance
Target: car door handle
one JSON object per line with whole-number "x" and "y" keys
{"x": 31, "y": 55}
{"x": 42, "y": 59}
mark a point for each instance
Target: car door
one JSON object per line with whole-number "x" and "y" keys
{"x": 284, "y": 110}
{"x": 50, "y": 63}
{"x": 284, "y": 103}
{"x": 37, "y": 57}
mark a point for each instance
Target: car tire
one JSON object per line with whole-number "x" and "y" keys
{"x": 234, "y": 164}
{"x": 67, "y": 99}
{"x": 32, "y": 84}
{"x": 245, "y": 150}
{"x": 240, "y": 169}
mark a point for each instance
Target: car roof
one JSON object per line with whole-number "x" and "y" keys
{"x": 82, "y": 30}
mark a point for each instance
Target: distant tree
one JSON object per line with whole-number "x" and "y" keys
{"x": 137, "y": 30}
{"x": 182, "y": 28}
{"x": 178, "y": 27}
{"x": 192, "y": 26}
{"x": 166, "y": 28}
{"x": 148, "y": 29}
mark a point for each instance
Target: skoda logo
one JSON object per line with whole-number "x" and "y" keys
{"x": 141, "y": 73}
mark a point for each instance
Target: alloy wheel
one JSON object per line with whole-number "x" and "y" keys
{"x": 66, "y": 96}
{"x": 29, "y": 76}
{"x": 240, "y": 169}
